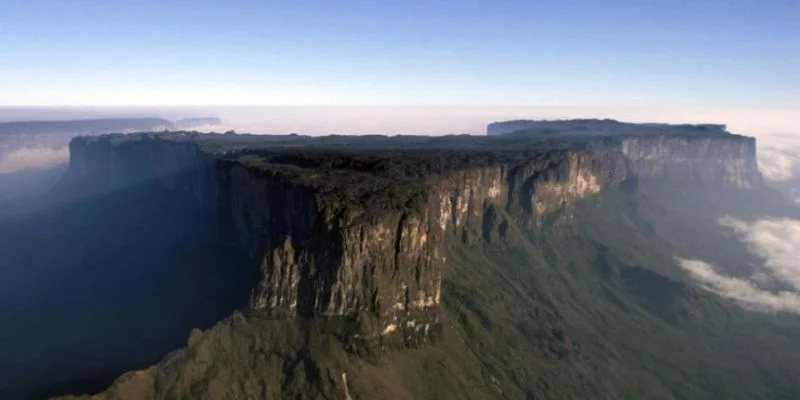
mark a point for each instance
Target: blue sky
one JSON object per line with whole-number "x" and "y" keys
{"x": 722, "y": 54}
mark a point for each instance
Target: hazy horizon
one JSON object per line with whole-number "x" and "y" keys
{"x": 413, "y": 119}
{"x": 354, "y": 67}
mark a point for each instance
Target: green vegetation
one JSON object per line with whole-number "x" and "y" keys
{"x": 590, "y": 307}
{"x": 379, "y": 179}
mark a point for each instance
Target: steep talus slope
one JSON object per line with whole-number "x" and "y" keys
{"x": 524, "y": 272}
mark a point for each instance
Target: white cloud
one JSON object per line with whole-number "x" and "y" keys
{"x": 778, "y": 164}
{"x": 777, "y": 243}
{"x": 29, "y": 158}
{"x": 779, "y": 156}
{"x": 741, "y": 290}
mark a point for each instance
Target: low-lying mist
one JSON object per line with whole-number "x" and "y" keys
{"x": 33, "y": 158}
{"x": 777, "y": 243}
{"x": 779, "y": 156}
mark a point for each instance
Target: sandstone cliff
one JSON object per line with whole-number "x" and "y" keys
{"x": 339, "y": 234}
{"x": 698, "y": 154}
{"x": 600, "y": 127}
{"x": 337, "y": 241}
{"x": 727, "y": 160}
{"x": 353, "y": 245}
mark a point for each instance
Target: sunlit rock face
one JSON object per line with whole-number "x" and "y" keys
{"x": 321, "y": 259}
{"x": 528, "y": 190}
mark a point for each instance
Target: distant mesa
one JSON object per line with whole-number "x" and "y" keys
{"x": 104, "y": 125}
{"x": 15, "y": 135}
{"x": 86, "y": 126}
{"x": 600, "y": 127}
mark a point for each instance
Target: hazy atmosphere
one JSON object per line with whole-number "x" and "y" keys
{"x": 437, "y": 200}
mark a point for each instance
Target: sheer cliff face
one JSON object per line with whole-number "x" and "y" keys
{"x": 528, "y": 191}
{"x": 705, "y": 154}
{"x": 726, "y": 161}
{"x": 104, "y": 165}
{"x": 320, "y": 257}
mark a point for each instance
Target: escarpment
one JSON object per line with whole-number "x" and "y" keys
{"x": 337, "y": 234}
{"x": 726, "y": 161}
{"x": 355, "y": 245}
{"x": 333, "y": 232}
{"x": 704, "y": 154}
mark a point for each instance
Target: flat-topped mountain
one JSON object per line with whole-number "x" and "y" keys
{"x": 16, "y": 134}
{"x": 726, "y": 159}
{"x": 511, "y": 266}
{"x": 85, "y": 126}
{"x": 344, "y": 225}
{"x": 601, "y": 127}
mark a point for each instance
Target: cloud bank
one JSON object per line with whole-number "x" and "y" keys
{"x": 32, "y": 158}
{"x": 741, "y": 290}
{"x": 779, "y": 156}
{"x": 778, "y": 164}
{"x": 777, "y": 242}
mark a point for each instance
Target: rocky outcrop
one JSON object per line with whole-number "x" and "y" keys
{"x": 322, "y": 256}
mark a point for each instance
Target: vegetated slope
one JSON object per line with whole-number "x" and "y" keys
{"x": 589, "y": 305}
